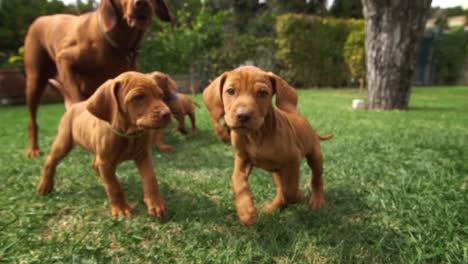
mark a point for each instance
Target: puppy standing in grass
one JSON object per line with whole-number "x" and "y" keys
{"x": 115, "y": 124}
{"x": 267, "y": 137}
{"x": 180, "y": 105}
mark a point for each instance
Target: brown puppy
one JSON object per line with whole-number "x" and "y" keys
{"x": 180, "y": 105}
{"x": 286, "y": 100}
{"x": 84, "y": 51}
{"x": 269, "y": 138}
{"x": 113, "y": 124}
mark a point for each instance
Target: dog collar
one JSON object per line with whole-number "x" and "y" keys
{"x": 121, "y": 134}
{"x": 133, "y": 53}
{"x": 171, "y": 97}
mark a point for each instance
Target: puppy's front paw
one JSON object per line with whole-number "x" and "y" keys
{"x": 45, "y": 187}
{"x": 122, "y": 210}
{"x": 182, "y": 130}
{"x": 277, "y": 203}
{"x": 316, "y": 201}
{"x": 246, "y": 211}
{"x": 165, "y": 148}
{"x": 32, "y": 153}
{"x": 156, "y": 208}
{"x": 248, "y": 215}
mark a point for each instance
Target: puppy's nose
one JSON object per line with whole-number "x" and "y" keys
{"x": 243, "y": 115}
{"x": 141, "y": 3}
{"x": 165, "y": 113}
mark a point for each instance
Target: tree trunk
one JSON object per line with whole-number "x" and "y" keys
{"x": 393, "y": 32}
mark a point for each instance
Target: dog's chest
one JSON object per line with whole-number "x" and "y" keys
{"x": 268, "y": 156}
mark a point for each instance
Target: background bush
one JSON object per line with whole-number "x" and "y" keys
{"x": 176, "y": 49}
{"x": 354, "y": 53}
{"x": 206, "y": 44}
{"x": 213, "y": 36}
{"x": 450, "y": 55}
{"x": 310, "y": 49}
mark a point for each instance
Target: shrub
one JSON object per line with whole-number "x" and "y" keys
{"x": 205, "y": 45}
{"x": 354, "y": 53}
{"x": 175, "y": 50}
{"x": 310, "y": 49}
{"x": 450, "y": 56}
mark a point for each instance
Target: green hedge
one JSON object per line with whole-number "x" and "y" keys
{"x": 450, "y": 56}
{"x": 176, "y": 49}
{"x": 310, "y": 49}
{"x": 354, "y": 53}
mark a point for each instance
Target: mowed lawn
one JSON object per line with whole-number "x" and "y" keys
{"x": 395, "y": 185}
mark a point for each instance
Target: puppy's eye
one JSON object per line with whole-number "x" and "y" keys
{"x": 231, "y": 91}
{"x": 138, "y": 97}
{"x": 262, "y": 93}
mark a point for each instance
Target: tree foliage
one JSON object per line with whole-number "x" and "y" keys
{"x": 310, "y": 49}
{"x": 174, "y": 50}
{"x": 17, "y": 15}
{"x": 347, "y": 9}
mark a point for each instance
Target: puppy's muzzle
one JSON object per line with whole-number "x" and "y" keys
{"x": 163, "y": 114}
{"x": 243, "y": 115}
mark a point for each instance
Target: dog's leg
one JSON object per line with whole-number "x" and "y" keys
{"x": 220, "y": 130}
{"x": 39, "y": 67}
{"x": 279, "y": 201}
{"x": 314, "y": 159}
{"x": 181, "y": 125}
{"x": 154, "y": 202}
{"x": 242, "y": 194}
{"x": 67, "y": 75}
{"x": 158, "y": 142}
{"x": 114, "y": 190}
{"x": 191, "y": 115}
{"x": 290, "y": 183}
{"x": 60, "y": 148}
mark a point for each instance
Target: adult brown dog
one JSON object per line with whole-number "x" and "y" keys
{"x": 180, "y": 105}
{"x": 116, "y": 124}
{"x": 286, "y": 100}
{"x": 267, "y": 137}
{"x": 84, "y": 51}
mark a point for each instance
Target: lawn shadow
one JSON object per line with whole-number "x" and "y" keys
{"x": 202, "y": 151}
{"x": 344, "y": 225}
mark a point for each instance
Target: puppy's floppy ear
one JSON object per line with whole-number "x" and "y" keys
{"x": 171, "y": 84}
{"x": 107, "y": 14}
{"x": 104, "y": 103}
{"x": 213, "y": 94}
{"x": 167, "y": 85}
{"x": 286, "y": 95}
{"x": 161, "y": 10}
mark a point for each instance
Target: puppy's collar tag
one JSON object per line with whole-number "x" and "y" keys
{"x": 121, "y": 134}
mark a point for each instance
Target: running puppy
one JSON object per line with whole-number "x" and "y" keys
{"x": 180, "y": 105}
{"x": 267, "y": 137}
{"x": 115, "y": 124}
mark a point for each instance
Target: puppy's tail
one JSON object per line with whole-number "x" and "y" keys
{"x": 194, "y": 103}
{"x": 326, "y": 137}
{"x": 59, "y": 86}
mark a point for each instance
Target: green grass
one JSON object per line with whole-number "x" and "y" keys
{"x": 395, "y": 182}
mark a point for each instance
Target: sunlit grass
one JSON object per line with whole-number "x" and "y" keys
{"x": 395, "y": 182}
